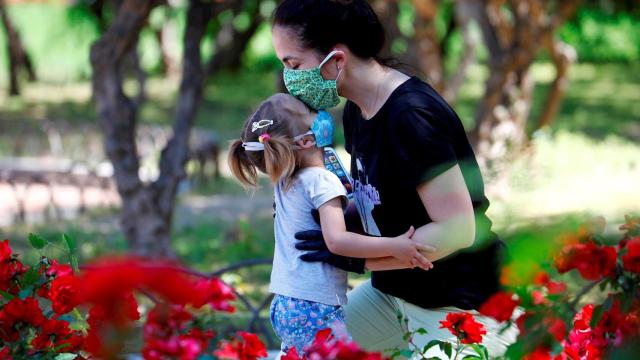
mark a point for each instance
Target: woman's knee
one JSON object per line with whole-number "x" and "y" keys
{"x": 371, "y": 318}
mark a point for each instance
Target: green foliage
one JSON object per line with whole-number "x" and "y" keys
{"x": 599, "y": 36}
{"x": 58, "y": 43}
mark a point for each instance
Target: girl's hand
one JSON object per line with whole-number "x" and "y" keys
{"x": 410, "y": 251}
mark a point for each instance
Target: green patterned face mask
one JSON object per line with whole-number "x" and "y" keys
{"x": 309, "y": 86}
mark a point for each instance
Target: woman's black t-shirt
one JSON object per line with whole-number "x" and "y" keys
{"x": 413, "y": 138}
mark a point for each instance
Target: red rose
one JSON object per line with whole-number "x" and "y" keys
{"x": 582, "y": 319}
{"x": 5, "y": 250}
{"x": 631, "y": 260}
{"x": 253, "y": 347}
{"x": 591, "y": 260}
{"x": 326, "y": 346}
{"x": 464, "y": 327}
{"x": 248, "y": 348}
{"x": 163, "y": 337}
{"x": 553, "y": 287}
{"x": 57, "y": 334}
{"x": 538, "y": 298}
{"x": 64, "y": 293}
{"x": 540, "y": 353}
{"x": 56, "y": 269}
{"x": 16, "y": 311}
{"x": 557, "y": 328}
{"x": 214, "y": 292}
{"x": 499, "y": 306}
{"x": 292, "y": 354}
{"x": 9, "y": 271}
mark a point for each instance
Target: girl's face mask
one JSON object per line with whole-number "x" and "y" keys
{"x": 309, "y": 86}
{"x": 321, "y": 129}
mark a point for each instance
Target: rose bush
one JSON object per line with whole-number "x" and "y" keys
{"x": 40, "y": 315}
{"x": 42, "y": 307}
{"x": 554, "y": 323}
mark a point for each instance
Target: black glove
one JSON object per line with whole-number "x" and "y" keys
{"x": 313, "y": 242}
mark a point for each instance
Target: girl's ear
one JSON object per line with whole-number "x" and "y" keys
{"x": 305, "y": 143}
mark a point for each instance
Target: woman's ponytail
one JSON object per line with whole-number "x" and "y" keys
{"x": 279, "y": 158}
{"x": 241, "y": 166}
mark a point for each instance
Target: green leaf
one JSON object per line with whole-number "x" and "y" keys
{"x": 480, "y": 350}
{"x": 78, "y": 315}
{"x": 472, "y": 357}
{"x": 447, "y": 348}
{"x": 70, "y": 243}
{"x": 30, "y": 277}
{"x": 406, "y": 353}
{"x": 602, "y": 286}
{"x": 37, "y": 241}
{"x": 431, "y": 344}
{"x": 421, "y": 331}
{"x": 66, "y": 356}
{"x": 596, "y": 316}
{"x": 6, "y": 295}
{"x": 74, "y": 263}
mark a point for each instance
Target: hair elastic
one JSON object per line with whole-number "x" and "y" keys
{"x": 264, "y": 137}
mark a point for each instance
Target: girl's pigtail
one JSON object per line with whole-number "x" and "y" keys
{"x": 241, "y": 167}
{"x": 279, "y": 158}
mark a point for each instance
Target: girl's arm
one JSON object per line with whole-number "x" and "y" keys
{"x": 342, "y": 242}
{"x": 448, "y": 203}
{"x": 385, "y": 263}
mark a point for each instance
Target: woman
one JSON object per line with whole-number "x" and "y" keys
{"x": 412, "y": 164}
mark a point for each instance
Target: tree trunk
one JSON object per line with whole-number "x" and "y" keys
{"x": 18, "y": 56}
{"x": 387, "y": 11}
{"x": 512, "y": 45}
{"x": 147, "y": 209}
{"x": 463, "y": 16}
{"x": 143, "y": 223}
{"x": 427, "y": 43}
{"x": 562, "y": 56}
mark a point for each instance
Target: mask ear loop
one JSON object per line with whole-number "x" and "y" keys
{"x": 299, "y": 137}
{"x": 327, "y": 58}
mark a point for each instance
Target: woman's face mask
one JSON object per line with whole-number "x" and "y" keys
{"x": 309, "y": 86}
{"x": 321, "y": 129}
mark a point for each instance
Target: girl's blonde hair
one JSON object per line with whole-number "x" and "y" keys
{"x": 278, "y": 160}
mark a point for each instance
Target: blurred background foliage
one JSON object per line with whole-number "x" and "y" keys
{"x": 586, "y": 163}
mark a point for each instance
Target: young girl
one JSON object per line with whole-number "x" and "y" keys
{"x": 308, "y": 296}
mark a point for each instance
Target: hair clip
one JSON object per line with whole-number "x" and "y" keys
{"x": 261, "y": 124}
{"x": 264, "y": 137}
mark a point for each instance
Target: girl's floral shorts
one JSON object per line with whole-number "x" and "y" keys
{"x": 296, "y": 321}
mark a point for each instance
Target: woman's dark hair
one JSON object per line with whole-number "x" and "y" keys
{"x": 321, "y": 24}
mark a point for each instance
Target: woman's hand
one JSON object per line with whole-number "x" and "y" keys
{"x": 312, "y": 241}
{"x": 409, "y": 251}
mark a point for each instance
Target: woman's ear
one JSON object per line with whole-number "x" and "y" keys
{"x": 341, "y": 58}
{"x": 336, "y": 64}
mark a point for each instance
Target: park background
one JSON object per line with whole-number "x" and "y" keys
{"x": 581, "y": 161}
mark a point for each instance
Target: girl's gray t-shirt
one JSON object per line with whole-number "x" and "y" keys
{"x": 290, "y": 276}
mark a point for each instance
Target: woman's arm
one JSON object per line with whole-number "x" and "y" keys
{"x": 342, "y": 242}
{"x": 448, "y": 203}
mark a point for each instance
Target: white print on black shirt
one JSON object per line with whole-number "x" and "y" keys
{"x": 366, "y": 198}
